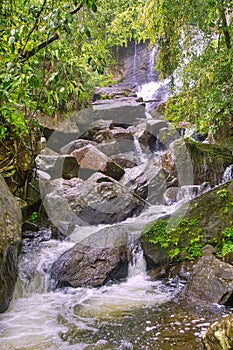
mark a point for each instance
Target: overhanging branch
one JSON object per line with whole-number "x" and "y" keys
{"x": 24, "y": 57}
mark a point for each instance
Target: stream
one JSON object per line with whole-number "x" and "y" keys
{"x": 136, "y": 313}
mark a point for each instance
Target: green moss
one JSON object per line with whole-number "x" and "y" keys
{"x": 184, "y": 240}
{"x": 208, "y": 160}
{"x": 208, "y": 220}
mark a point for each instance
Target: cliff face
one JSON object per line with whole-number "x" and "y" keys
{"x": 135, "y": 64}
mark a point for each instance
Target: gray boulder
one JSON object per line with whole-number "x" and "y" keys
{"x": 136, "y": 180}
{"x": 90, "y": 160}
{"x": 211, "y": 280}
{"x": 57, "y": 166}
{"x": 100, "y": 199}
{"x": 10, "y": 234}
{"x": 84, "y": 266}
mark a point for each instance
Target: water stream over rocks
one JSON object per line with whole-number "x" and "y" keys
{"x": 132, "y": 312}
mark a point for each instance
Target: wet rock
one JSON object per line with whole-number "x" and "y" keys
{"x": 33, "y": 239}
{"x": 156, "y": 179}
{"x": 76, "y": 144}
{"x": 98, "y": 200}
{"x": 155, "y": 256}
{"x": 170, "y": 195}
{"x": 212, "y": 281}
{"x": 90, "y": 159}
{"x": 209, "y": 161}
{"x": 64, "y": 166}
{"x": 124, "y": 160}
{"x": 154, "y": 126}
{"x": 219, "y": 336}
{"x": 84, "y": 266}
{"x": 181, "y": 269}
{"x": 10, "y": 234}
{"x": 158, "y": 273}
{"x": 136, "y": 181}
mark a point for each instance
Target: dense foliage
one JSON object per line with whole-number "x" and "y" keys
{"x": 53, "y": 53}
{"x": 194, "y": 41}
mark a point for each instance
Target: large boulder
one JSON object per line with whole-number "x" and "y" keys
{"x": 200, "y": 221}
{"x": 90, "y": 160}
{"x": 84, "y": 266}
{"x": 98, "y": 200}
{"x": 209, "y": 161}
{"x": 219, "y": 336}
{"x": 211, "y": 281}
{"x": 136, "y": 180}
{"x": 10, "y": 234}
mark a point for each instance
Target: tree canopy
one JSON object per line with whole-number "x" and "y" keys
{"x": 194, "y": 40}
{"x": 54, "y": 52}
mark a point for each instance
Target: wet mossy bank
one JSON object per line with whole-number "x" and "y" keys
{"x": 207, "y": 219}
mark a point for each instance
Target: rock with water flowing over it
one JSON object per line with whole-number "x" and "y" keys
{"x": 219, "y": 336}
{"x": 90, "y": 160}
{"x": 85, "y": 266}
{"x": 10, "y": 234}
{"x": 211, "y": 281}
{"x": 98, "y": 200}
{"x": 136, "y": 180}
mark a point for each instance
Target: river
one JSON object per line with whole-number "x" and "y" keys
{"x": 136, "y": 313}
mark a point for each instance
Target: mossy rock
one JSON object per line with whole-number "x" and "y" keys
{"x": 209, "y": 161}
{"x": 201, "y": 221}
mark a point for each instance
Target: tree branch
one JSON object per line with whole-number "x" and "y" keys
{"x": 35, "y": 24}
{"x": 225, "y": 29}
{"x": 76, "y": 9}
{"x": 26, "y": 55}
{"x": 36, "y": 49}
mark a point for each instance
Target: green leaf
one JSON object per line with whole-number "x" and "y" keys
{"x": 94, "y": 7}
{"x": 69, "y": 17}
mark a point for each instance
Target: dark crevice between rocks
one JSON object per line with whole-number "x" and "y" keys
{"x": 227, "y": 299}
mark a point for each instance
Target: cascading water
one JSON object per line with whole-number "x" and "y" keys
{"x": 228, "y": 174}
{"x": 138, "y": 150}
{"x": 124, "y": 315}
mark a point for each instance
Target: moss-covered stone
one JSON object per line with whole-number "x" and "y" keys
{"x": 203, "y": 221}
{"x": 209, "y": 161}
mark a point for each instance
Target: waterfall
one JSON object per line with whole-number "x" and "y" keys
{"x": 228, "y": 174}
{"x": 34, "y": 268}
{"x": 151, "y": 75}
{"x": 135, "y": 64}
{"x": 42, "y": 317}
{"x": 187, "y": 192}
{"x": 138, "y": 150}
{"x": 137, "y": 265}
